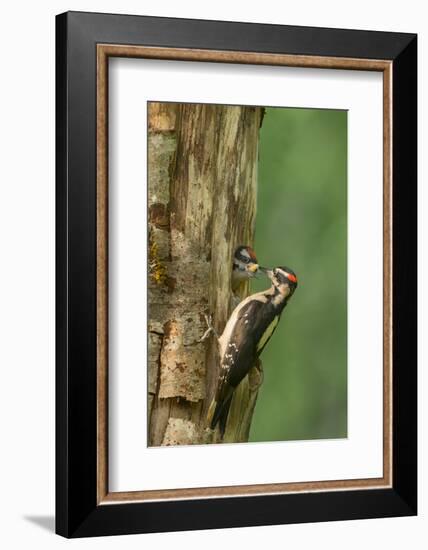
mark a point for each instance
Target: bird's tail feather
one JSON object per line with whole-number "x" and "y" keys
{"x": 221, "y": 413}
{"x": 224, "y": 415}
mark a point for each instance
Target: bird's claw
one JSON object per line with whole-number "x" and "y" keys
{"x": 210, "y": 329}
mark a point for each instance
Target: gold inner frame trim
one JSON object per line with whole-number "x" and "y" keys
{"x": 104, "y": 51}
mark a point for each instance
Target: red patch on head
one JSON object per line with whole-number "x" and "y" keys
{"x": 252, "y": 254}
{"x": 292, "y": 277}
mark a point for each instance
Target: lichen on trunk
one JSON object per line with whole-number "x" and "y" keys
{"x": 202, "y": 187}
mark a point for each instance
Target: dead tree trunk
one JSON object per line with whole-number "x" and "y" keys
{"x": 202, "y": 204}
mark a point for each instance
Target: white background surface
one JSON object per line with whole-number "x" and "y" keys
{"x": 27, "y": 276}
{"x": 133, "y": 82}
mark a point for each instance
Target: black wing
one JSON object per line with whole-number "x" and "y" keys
{"x": 241, "y": 350}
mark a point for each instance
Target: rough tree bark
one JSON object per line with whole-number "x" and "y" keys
{"x": 202, "y": 204}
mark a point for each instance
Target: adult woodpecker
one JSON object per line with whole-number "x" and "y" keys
{"x": 244, "y": 266}
{"x": 246, "y": 334}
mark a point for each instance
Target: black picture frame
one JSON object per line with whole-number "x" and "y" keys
{"x": 77, "y": 511}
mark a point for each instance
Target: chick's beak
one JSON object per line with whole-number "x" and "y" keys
{"x": 253, "y": 268}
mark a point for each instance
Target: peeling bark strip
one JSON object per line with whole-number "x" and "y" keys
{"x": 182, "y": 368}
{"x": 202, "y": 189}
{"x": 180, "y": 432}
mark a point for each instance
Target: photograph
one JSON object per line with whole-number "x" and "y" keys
{"x": 247, "y": 273}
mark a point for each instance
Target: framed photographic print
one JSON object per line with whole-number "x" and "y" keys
{"x": 236, "y": 274}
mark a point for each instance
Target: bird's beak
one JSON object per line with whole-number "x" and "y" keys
{"x": 268, "y": 272}
{"x": 253, "y": 268}
{"x": 264, "y": 270}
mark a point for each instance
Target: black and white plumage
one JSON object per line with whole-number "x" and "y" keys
{"x": 246, "y": 334}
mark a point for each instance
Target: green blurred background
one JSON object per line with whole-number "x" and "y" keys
{"x": 302, "y": 224}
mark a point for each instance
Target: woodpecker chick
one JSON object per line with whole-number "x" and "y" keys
{"x": 244, "y": 267}
{"x": 246, "y": 334}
